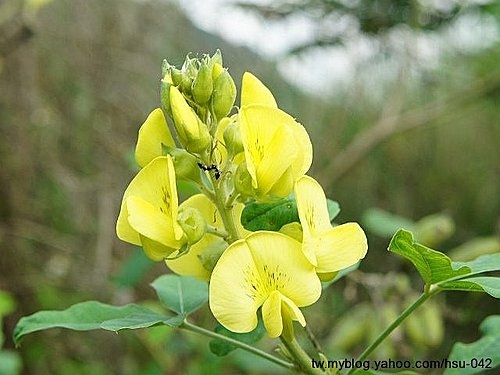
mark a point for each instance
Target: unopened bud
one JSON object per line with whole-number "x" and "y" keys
{"x": 243, "y": 181}
{"x": 203, "y": 85}
{"x": 216, "y": 58}
{"x": 217, "y": 69}
{"x": 224, "y": 94}
{"x": 165, "y": 84}
{"x": 192, "y": 223}
{"x": 176, "y": 76}
{"x": 232, "y": 138}
{"x": 211, "y": 254}
{"x": 293, "y": 230}
{"x": 434, "y": 229}
{"x": 185, "y": 164}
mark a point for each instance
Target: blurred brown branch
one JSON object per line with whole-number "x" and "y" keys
{"x": 392, "y": 121}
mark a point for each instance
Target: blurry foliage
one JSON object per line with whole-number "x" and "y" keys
{"x": 78, "y": 78}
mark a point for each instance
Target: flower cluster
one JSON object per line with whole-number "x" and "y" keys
{"x": 234, "y": 155}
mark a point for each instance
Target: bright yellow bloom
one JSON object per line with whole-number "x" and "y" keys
{"x": 277, "y": 148}
{"x": 328, "y": 248}
{"x": 152, "y": 134}
{"x": 149, "y": 209}
{"x": 265, "y": 269}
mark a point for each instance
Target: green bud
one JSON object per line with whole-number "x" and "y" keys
{"x": 224, "y": 95}
{"x": 216, "y": 58}
{"x": 243, "y": 181}
{"x": 202, "y": 142}
{"x": 176, "y": 76}
{"x": 434, "y": 229}
{"x": 186, "y": 84}
{"x": 185, "y": 164}
{"x": 165, "y": 94}
{"x": 232, "y": 138}
{"x": 217, "y": 69}
{"x": 203, "y": 85}
{"x": 165, "y": 68}
{"x": 192, "y": 223}
{"x": 211, "y": 254}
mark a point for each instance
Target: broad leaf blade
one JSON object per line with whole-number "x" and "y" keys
{"x": 143, "y": 320}
{"x": 181, "y": 294}
{"x": 83, "y": 316}
{"x": 432, "y": 265}
{"x": 485, "y": 351}
{"x": 269, "y": 216}
{"x": 488, "y": 284}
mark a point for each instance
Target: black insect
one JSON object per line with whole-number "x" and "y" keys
{"x": 212, "y": 167}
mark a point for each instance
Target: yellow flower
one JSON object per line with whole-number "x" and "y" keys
{"x": 149, "y": 209}
{"x": 268, "y": 270}
{"x": 328, "y": 248}
{"x": 277, "y": 148}
{"x": 152, "y": 134}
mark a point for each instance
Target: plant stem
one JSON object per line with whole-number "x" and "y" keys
{"x": 226, "y": 214}
{"x": 302, "y": 359}
{"x": 217, "y": 231}
{"x": 202, "y": 331}
{"x": 423, "y": 297}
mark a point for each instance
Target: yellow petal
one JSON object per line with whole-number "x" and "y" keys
{"x": 155, "y": 250}
{"x": 190, "y": 264}
{"x": 312, "y": 206}
{"x": 185, "y": 120}
{"x": 233, "y": 289}
{"x": 290, "y": 312}
{"x": 283, "y": 266}
{"x": 271, "y": 314}
{"x": 155, "y": 183}
{"x": 248, "y": 273}
{"x": 284, "y": 185}
{"x": 149, "y": 221}
{"x": 153, "y": 133}
{"x": 253, "y": 91}
{"x": 340, "y": 247}
{"x": 303, "y": 161}
{"x": 270, "y": 146}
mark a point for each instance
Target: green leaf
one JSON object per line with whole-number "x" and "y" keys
{"x": 143, "y": 320}
{"x": 269, "y": 216}
{"x": 181, "y": 294}
{"x": 135, "y": 267}
{"x": 436, "y": 268}
{"x": 432, "y": 265}
{"x": 90, "y": 315}
{"x": 221, "y": 348}
{"x": 479, "y": 355}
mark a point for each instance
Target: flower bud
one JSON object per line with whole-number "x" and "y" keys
{"x": 185, "y": 164}
{"x": 192, "y": 133}
{"x": 243, "y": 181}
{"x": 224, "y": 94}
{"x": 434, "y": 229}
{"x": 216, "y": 58}
{"x": 165, "y": 84}
{"x": 211, "y": 254}
{"x": 176, "y": 76}
{"x": 232, "y": 138}
{"x": 192, "y": 223}
{"x": 203, "y": 85}
{"x": 217, "y": 69}
{"x": 165, "y": 68}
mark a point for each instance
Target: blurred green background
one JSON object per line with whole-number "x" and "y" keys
{"x": 408, "y": 139}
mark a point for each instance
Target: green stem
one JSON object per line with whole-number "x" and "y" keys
{"x": 202, "y": 331}
{"x": 217, "y": 231}
{"x": 424, "y": 297}
{"x": 226, "y": 214}
{"x": 304, "y": 362}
